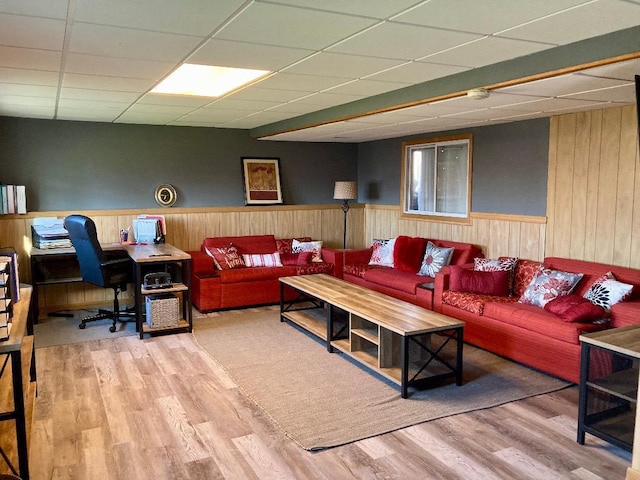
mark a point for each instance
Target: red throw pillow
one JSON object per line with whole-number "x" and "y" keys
{"x": 302, "y": 258}
{"x": 226, "y": 258}
{"x": 574, "y": 308}
{"x": 408, "y": 253}
{"x": 484, "y": 283}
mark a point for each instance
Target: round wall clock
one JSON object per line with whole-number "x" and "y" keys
{"x": 166, "y": 195}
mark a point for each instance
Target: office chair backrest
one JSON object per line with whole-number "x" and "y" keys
{"x": 82, "y": 232}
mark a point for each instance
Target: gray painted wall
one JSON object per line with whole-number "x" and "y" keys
{"x": 84, "y": 165}
{"x": 510, "y": 166}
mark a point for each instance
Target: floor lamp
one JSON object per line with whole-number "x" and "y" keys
{"x": 345, "y": 191}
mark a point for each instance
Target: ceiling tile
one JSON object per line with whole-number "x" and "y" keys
{"x": 328, "y": 99}
{"x": 164, "y": 109}
{"x": 548, "y": 104}
{"x": 263, "y": 23}
{"x": 32, "y": 111}
{"x": 226, "y": 53}
{"x": 621, "y": 70}
{"x": 213, "y": 115}
{"x": 371, "y": 8}
{"x": 563, "y": 85}
{"x": 294, "y": 107}
{"x": 28, "y": 90}
{"x": 622, "y": 94}
{"x": 117, "y": 67}
{"x": 340, "y": 65}
{"x": 258, "y": 119}
{"x": 145, "y": 118}
{"x": 585, "y": 21}
{"x": 87, "y": 105}
{"x": 247, "y": 106}
{"x": 486, "y": 51}
{"x": 495, "y": 99}
{"x": 128, "y": 43}
{"x": 407, "y": 42}
{"x": 87, "y": 115}
{"x": 256, "y": 93}
{"x": 177, "y": 100}
{"x": 367, "y": 87}
{"x": 31, "y": 32}
{"x": 94, "y": 82}
{"x": 29, "y": 59}
{"x": 486, "y": 17}
{"x": 192, "y": 17}
{"x": 98, "y": 95}
{"x": 304, "y": 83}
{"x": 416, "y": 72}
{"x": 29, "y": 77}
{"x": 49, "y": 8}
{"x": 7, "y": 100}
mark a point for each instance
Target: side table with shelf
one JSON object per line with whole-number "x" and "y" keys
{"x": 609, "y": 385}
{"x": 151, "y": 258}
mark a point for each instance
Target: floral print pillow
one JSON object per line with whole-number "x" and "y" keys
{"x": 549, "y": 284}
{"x": 606, "y": 291}
{"x": 382, "y": 252}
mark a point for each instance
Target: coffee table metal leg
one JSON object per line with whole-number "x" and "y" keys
{"x": 404, "y": 353}
{"x": 329, "y": 327}
{"x": 459, "y": 357}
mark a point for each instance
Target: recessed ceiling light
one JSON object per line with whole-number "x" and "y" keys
{"x": 206, "y": 80}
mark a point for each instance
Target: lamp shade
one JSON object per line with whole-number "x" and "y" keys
{"x": 345, "y": 191}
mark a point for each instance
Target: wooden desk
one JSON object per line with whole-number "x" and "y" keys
{"x": 17, "y": 388}
{"x": 155, "y": 258}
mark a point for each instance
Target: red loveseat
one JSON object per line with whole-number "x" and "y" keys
{"x": 530, "y": 334}
{"x": 214, "y": 289}
{"x": 402, "y": 280}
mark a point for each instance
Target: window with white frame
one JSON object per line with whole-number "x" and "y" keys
{"x": 437, "y": 178}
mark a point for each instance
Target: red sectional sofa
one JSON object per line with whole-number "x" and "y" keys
{"x": 402, "y": 283}
{"x": 530, "y": 334}
{"x": 214, "y": 289}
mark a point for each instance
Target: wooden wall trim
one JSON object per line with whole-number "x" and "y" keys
{"x": 508, "y": 217}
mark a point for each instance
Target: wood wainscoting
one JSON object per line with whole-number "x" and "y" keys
{"x": 186, "y": 228}
{"x": 498, "y": 235}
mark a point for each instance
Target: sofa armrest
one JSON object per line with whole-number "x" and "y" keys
{"x": 441, "y": 284}
{"x": 335, "y": 256}
{"x": 201, "y": 262}
{"x": 357, "y": 256}
{"x": 625, "y": 314}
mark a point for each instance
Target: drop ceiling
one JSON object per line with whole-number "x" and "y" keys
{"x": 97, "y": 60}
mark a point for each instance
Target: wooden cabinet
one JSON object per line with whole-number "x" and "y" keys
{"x": 17, "y": 389}
{"x": 609, "y": 385}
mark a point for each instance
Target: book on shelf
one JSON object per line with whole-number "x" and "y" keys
{"x": 13, "y": 199}
{"x": 10, "y": 256}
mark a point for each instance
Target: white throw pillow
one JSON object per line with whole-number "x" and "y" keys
{"x": 314, "y": 247}
{"x": 262, "y": 260}
{"x": 434, "y": 259}
{"x": 382, "y": 252}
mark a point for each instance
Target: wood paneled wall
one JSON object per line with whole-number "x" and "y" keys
{"x": 512, "y": 235}
{"x": 186, "y": 228}
{"x": 594, "y": 187}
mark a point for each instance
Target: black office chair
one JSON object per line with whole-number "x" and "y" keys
{"x": 108, "y": 269}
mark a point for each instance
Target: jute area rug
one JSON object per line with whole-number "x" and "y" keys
{"x": 323, "y": 400}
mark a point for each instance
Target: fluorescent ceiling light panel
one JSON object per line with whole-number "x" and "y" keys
{"x": 206, "y": 80}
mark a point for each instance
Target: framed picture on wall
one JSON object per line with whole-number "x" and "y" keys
{"x": 261, "y": 181}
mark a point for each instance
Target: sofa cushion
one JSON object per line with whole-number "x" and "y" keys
{"x": 495, "y": 265}
{"x": 382, "y": 253}
{"x": 536, "y": 319}
{"x": 262, "y": 259}
{"x": 549, "y": 284}
{"x": 408, "y": 253}
{"x": 434, "y": 259}
{"x": 315, "y": 267}
{"x": 254, "y": 274}
{"x": 525, "y": 272}
{"x": 301, "y": 258}
{"x": 357, "y": 270}
{"x": 393, "y": 278}
{"x": 244, "y": 244}
{"x": 494, "y": 283}
{"x": 283, "y": 245}
{"x": 606, "y": 291}
{"x": 226, "y": 258}
{"x": 472, "y": 302}
{"x": 314, "y": 247}
{"x": 574, "y": 308}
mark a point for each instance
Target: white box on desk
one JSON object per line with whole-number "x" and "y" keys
{"x": 163, "y": 310}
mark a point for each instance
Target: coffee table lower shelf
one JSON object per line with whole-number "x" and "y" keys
{"x": 421, "y": 357}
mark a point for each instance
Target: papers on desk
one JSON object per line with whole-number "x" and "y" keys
{"x": 149, "y": 228}
{"x": 49, "y": 232}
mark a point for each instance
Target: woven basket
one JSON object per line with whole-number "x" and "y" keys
{"x": 162, "y": 310}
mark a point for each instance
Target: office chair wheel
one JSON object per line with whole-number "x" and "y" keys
{"x": 82, "y": 326}
{"x": 112, "y": 328}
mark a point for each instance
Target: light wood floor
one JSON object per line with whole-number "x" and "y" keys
{"x": 161, "y": 409}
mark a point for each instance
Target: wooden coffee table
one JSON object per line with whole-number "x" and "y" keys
{"x": 405, "y": 343}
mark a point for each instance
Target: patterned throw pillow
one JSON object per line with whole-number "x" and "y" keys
{"x": 226, "y": 258}
{"x": 497, "y": 265}
{"x": 434, "y": 259}
{"x": 262, "y": 260}
{"x": 382, "y": 252}
{"x": 606, "y": 291}
{"x": 314, "y": 247}
{"x": 549, "y": 284}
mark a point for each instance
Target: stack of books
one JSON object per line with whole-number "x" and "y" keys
{"x": 49, "y": 233}
{"x": 13, "y": 199}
